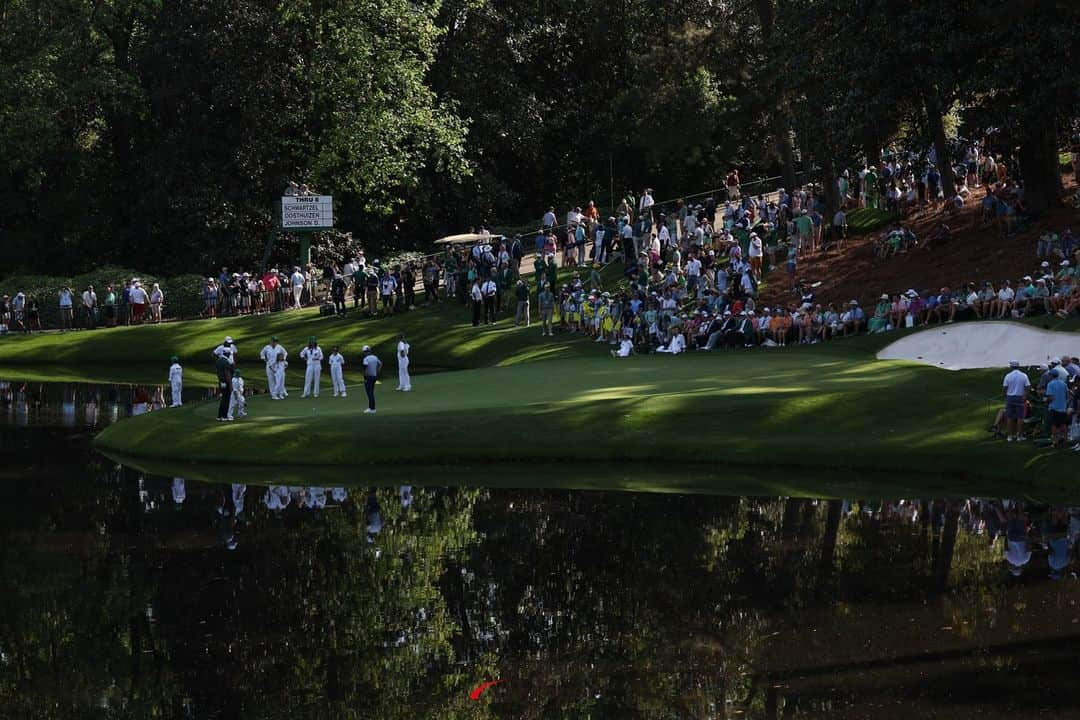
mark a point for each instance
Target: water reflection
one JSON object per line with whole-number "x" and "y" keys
{"x": 132, "y": 595}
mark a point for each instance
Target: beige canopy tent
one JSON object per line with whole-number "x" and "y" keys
{"x": 468, "y": 239}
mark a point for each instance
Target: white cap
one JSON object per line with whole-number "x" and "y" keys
{"x": 1055, "y": 361}
{"x": 228, "y": 339}
{"x": 366, "y": 348}
{"x": 1014, "y": 363}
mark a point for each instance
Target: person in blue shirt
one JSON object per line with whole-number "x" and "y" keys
{"x": 1057, "y": 399}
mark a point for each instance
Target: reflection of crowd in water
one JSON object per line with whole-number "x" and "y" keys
{"x": 79, "y": 404}
{"x": 233, "y": 509}
{"x": 1028, "y": 533}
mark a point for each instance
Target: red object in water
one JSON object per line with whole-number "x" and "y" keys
{"x": 479, "y": 689}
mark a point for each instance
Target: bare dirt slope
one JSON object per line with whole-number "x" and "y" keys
{"x": 974, "y": 254}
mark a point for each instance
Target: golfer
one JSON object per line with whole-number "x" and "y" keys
{"x": 1015, "y": 385}
{"x": 224, "y": 368}
{"x": 313, "y": 354}
{"x": 372, "y": 368}
{"x": 176, "y": 381}
{"x": 274, "y": 356}
{"x": 336, "y": 361}
{"x": 404, "y": 381}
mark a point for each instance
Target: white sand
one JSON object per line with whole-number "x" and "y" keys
{"x": 968, "y": 345}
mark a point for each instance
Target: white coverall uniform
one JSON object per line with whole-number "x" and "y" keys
{"x": 337, "y": 373}
{"x": 314, "y": 358}
{"x": 404, "y": 381}
{"x": 176, "y": 382}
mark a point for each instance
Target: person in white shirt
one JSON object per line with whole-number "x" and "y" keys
{"x": 626, "y": 348}
{"x": 274, "y": 356}
{"x": 297, "y": 282}
{"x": 237, "y": 403}
{"x": 336, "y": 361}
{"x": 549, "y": 219}
{"x": 176, "y": 381}
{"x": 89, "y": 301}
{"x": 372, "y": 368}
{"x": 226, "y": 349}
{"x": 488, "y": 291}
{"x": 65, "y": 309}
{"x": 646, "y": 200}
{"x": 675, "y": 346}
{"x": 754, "y": 253}
{"x": 313, "y": 354}
{"x": 404, "y": 381}
{"x": 1004, "y": 303}
{"x": 1015, "y": 386}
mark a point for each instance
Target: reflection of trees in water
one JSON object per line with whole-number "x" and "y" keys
{"x": 601, "y": 604}
{"x": 107, "y": 606}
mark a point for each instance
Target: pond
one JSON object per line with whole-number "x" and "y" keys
{"x": 397, "y": 592}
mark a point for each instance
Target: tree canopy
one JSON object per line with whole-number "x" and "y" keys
{"x": 158, "y": 134}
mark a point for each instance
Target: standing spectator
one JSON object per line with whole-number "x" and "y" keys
{"x": 732, "y": 183}
{"x": 431, "y": 281}
{"x": 521, "y": 292}
{"x": 157, "y": 300}
{"x": 489, "y": 291}
{"x": 337, "y": 294}
{"x": 110, "y": 306}
{"x": 18, "y": 312}
{"x": 839, "y": 228}
{"x": 139, "y": 300}
{"x": 210, "y": 298}
{"x": 89, "y": 303}
{"x": 477, "y": 297}
{"x": 65, "y": 308}
{"x": 387, "y": 286}
{"x": 1015, "y": 386}
{"x": 296, "y": 281}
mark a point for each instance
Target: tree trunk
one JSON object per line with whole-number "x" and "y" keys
{"x": 948, "y": 546}
{"x": 787, "y": 154}
{"x": 832, "y": 191}
{"x": 828, "y": 542}
{"x": 935, "y": 121}
{"x": 1039, "y": 163}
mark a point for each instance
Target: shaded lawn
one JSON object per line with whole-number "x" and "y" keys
{"x": 798, "y": 409}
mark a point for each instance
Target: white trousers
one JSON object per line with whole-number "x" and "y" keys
{"x": 279, "y": 377}
{"x": 404, "y": 381}
{"x": 177, "y": 390}
{"x": 311, "y": 380}
{"x": 271, "y": 381}
{"x": 337, "y": 375}
{"x": 236, "y": 402}
{"x": 297, "y": 291}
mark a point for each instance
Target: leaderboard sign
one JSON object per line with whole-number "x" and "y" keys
{"x": 307, "y": 212}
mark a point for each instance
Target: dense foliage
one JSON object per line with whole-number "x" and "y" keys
{"x": 157, "y": 134}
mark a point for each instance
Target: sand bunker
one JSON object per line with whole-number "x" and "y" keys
{"x": 982, "y": 345}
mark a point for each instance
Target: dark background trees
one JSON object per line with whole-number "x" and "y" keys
{"x": 157, "y": 134}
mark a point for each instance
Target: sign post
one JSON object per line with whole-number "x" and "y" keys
{"x": 304, "y": 215}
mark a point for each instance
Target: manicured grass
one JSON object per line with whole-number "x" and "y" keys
{"x": 824, "y": 407}
{"x": 863, "y": 220}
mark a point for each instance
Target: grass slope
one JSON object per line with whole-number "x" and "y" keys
{"x": 442, "y": 337}
{"x": 826, "y": 407}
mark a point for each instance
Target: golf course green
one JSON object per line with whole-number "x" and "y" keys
{"x": 827, "y": 406}
{"x": 505, "y": 394}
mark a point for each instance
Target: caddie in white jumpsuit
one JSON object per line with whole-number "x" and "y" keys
{"x": 337, "y": 371}
{"x": 274, "y": 356}
{"x": 237, "y": 402}
{"x": 176, "y": 381}
{"x": 313, "y": 355}
{"x": 404, "y": 381}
